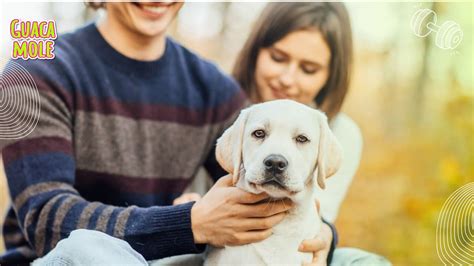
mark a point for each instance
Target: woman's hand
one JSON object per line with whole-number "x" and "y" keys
{"x": 186, "y": 197}
{"x": 320, "y": 245}
{"x": 227, "y": 215}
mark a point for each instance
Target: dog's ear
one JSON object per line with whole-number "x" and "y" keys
{"x": 229, "y": 146}
{"x": 329, "y": 152}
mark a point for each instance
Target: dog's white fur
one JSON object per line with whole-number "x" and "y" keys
{"x": 241, "y": 153}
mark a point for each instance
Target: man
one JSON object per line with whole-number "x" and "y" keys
{"x": 128, "y": 116}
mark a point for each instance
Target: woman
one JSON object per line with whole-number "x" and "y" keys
{"x": 303, "y": 52}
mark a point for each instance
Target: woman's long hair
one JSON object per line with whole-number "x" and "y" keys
{"x": 279, "y": 19}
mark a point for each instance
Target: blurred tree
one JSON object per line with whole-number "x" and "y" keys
{"x": 423, "y": 77}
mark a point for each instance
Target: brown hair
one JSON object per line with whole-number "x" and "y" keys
{"x": 279, "y": 19}
{"x": 95, "y": 4}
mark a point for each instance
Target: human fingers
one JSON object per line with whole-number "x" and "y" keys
{"x": 248, "y": 237}
{"x": 319, "y": 247}
{"x": 312, "y": 245}
{"x": 244, "y": 197}
{"x": 250, "y": 224}
{"x": 319, "y": 259}
{"x": 266, "y": 209}
{"x": 225, "y": 181}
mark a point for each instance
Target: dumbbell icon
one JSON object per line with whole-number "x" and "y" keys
{"x": 448, "y": 35}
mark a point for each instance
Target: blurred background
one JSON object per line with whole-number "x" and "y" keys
{"x": 413, "y": 100}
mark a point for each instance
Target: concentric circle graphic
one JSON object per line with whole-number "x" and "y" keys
{"x": 455, "y": 228}
{"x": 19, "y": 101}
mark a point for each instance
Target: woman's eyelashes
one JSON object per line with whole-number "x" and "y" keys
{"x": 278, "y": 56}
{"x": 307, "y": 68}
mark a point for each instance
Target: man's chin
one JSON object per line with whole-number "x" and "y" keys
{"x": 151, "y": 29}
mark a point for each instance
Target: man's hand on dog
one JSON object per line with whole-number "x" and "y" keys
{"x": 229, "y": 216}
{"x": 319, "y": 245}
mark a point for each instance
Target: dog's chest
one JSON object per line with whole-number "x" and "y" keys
{"x": 279, "y": 248}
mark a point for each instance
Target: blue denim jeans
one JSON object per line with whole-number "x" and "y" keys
{"x": 88, "y": 247}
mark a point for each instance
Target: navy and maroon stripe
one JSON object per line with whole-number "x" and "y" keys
{"x": 35, "y": 146}
{"x": 132, "y": 184}
{"x": 139, "y": 110}
{"x": 160, "y": 112}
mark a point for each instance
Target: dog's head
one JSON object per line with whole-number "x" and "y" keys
{"x": 279, "y": 147}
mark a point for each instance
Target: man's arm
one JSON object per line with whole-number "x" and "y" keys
{"x": 40, "y": 170}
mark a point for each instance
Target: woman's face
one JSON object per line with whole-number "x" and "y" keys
{"x": 296, "y": 67}
{"x": 145, "y": 18}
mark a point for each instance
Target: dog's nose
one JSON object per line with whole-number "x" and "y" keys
{"x": 275, "y": 164}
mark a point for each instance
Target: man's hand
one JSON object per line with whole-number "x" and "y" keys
{"x": 227, "y": 215}
{"x": 320, "y": 245}
{"x": 186, "y": 197}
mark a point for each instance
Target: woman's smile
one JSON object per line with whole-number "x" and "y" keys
{"x": 278, "y": 92}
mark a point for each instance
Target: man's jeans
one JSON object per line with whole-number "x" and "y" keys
{"x": 88, "y": 247}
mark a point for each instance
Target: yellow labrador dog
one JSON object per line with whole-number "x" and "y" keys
{"x": 282, "y": 148}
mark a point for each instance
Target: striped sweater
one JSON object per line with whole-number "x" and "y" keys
{"x": 117, "y": 140}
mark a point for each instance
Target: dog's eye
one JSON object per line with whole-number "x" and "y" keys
{"x": 302, "y": 139}
{"x": 259, "y": 134}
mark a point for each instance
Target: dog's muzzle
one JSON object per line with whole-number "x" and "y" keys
{"x": 275, "y": 164}
{"x": 275, "y": 167}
